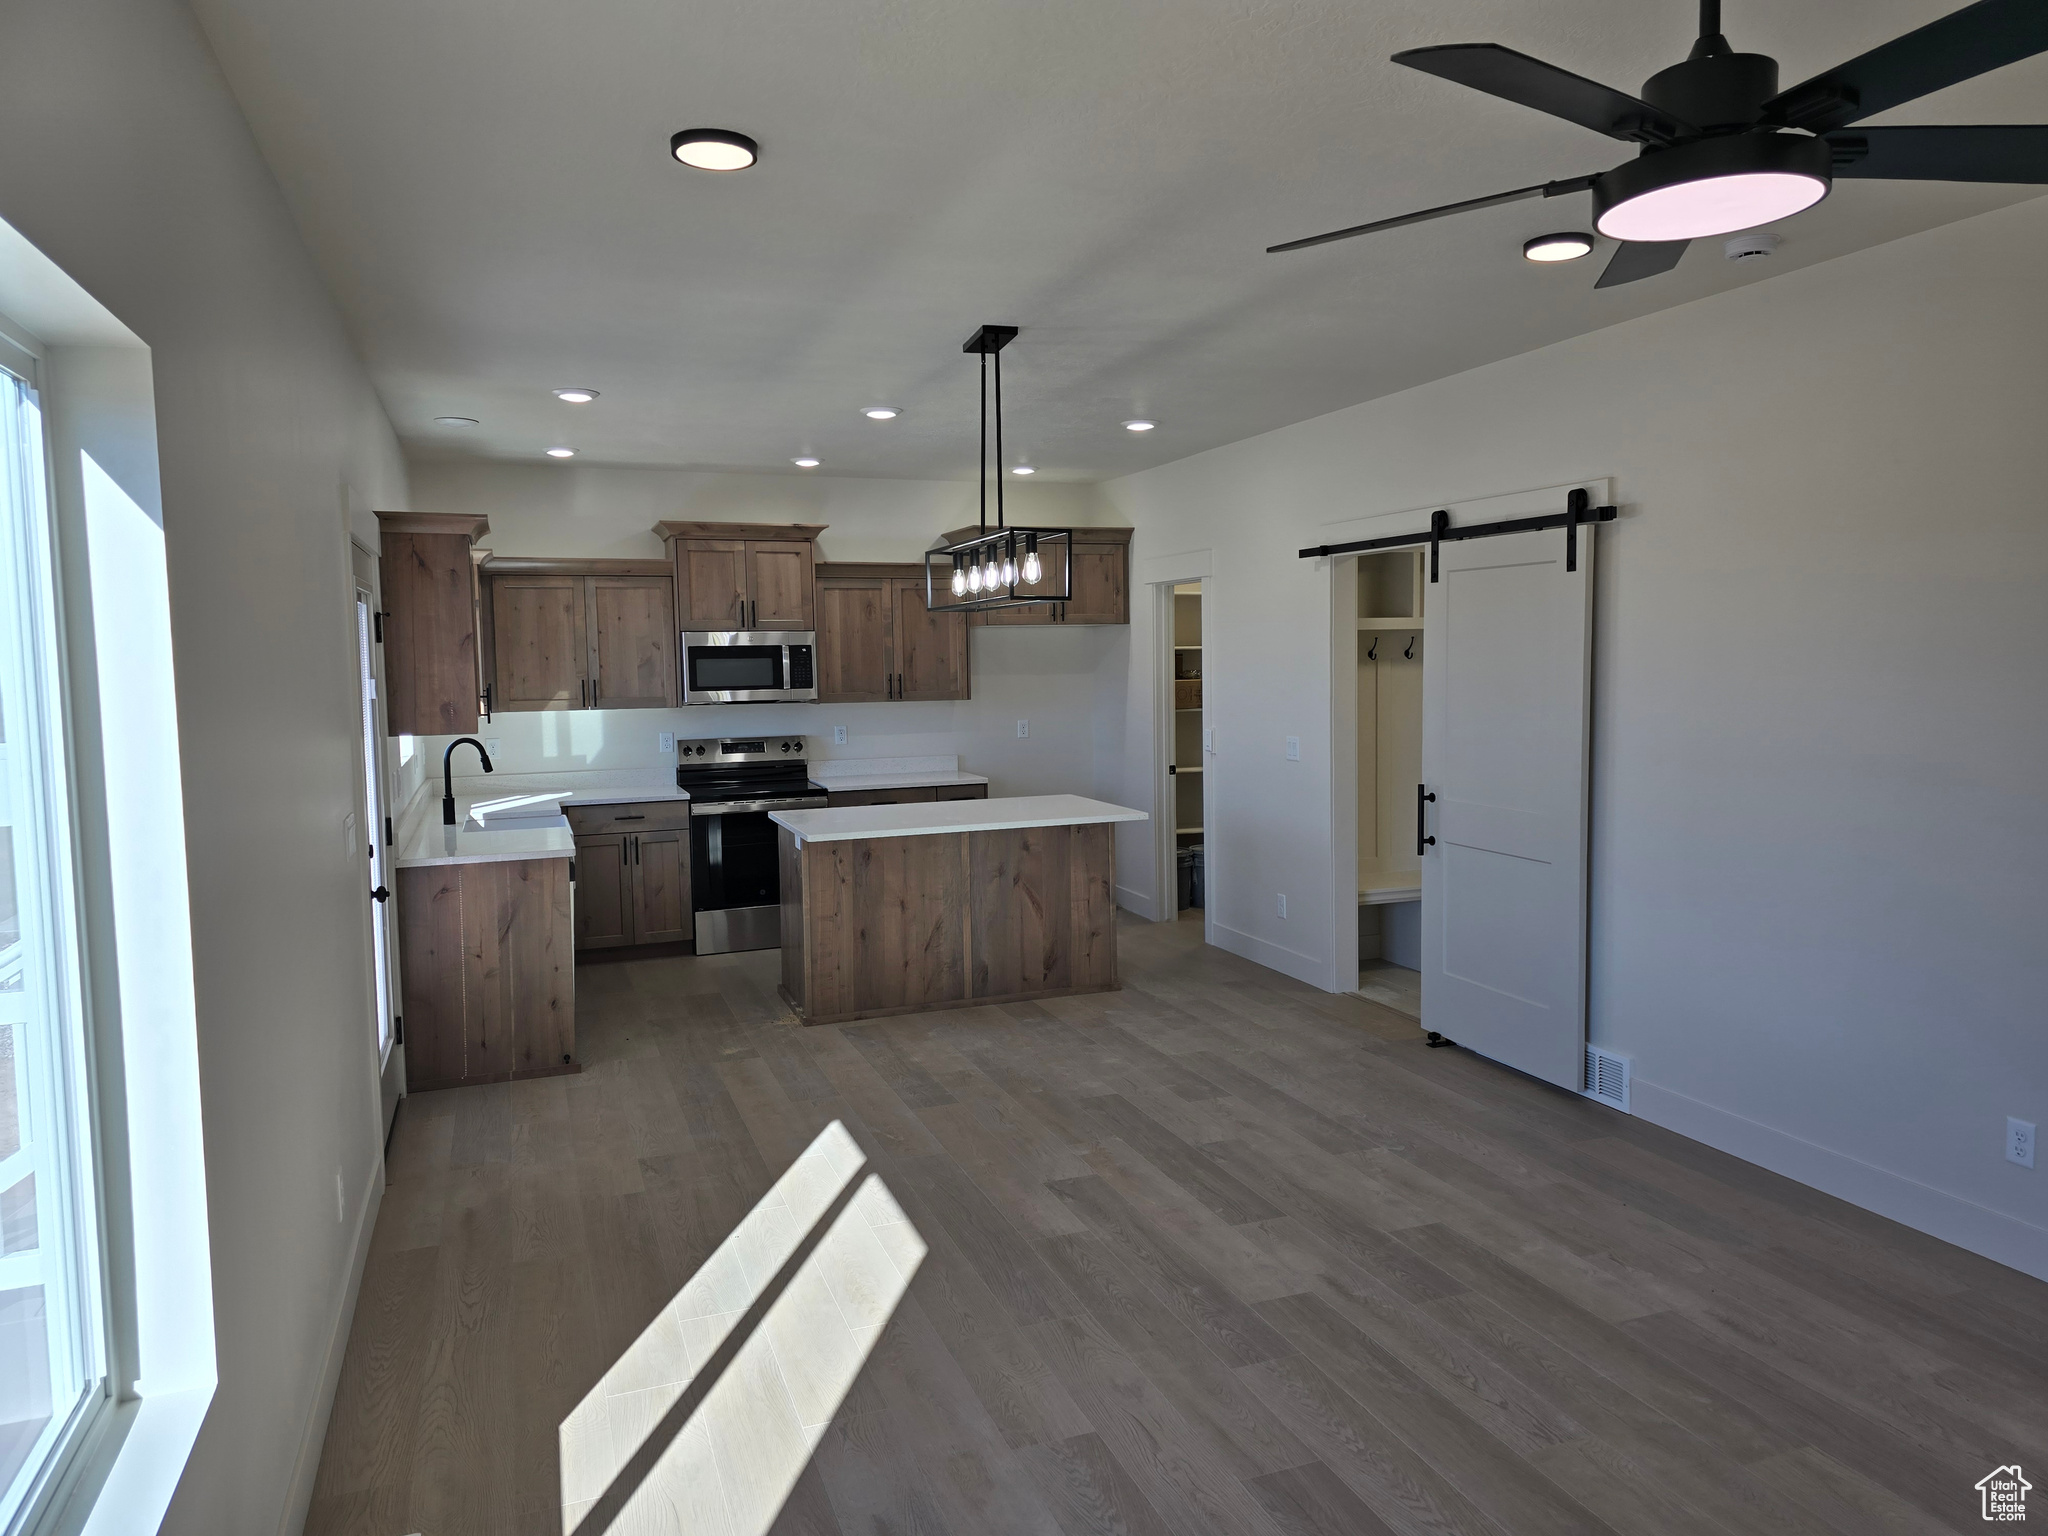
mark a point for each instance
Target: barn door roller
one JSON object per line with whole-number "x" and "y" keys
{"x": 1577, "y": 510}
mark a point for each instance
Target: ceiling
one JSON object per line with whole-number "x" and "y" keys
{"x": 486, "y": 185}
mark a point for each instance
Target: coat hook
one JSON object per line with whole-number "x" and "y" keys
{"x": 1409, "y": 654}
{"x": 1372, "y": 652}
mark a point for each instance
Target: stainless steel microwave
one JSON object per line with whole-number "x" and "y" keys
{"x": 749, "y": 666}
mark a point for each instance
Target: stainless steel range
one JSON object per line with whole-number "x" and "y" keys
{"x": 734, "y": 783}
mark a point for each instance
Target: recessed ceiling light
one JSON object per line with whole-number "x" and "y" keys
{"x": 1024, "y": 469}
{"x": 454, "y": 421}
{"x": 714, "y": 149}
{"x": 1140, "y": 425}
{"x": 576, "y": 396}
{"x": 1567, "y": 246}
{"x": 805, "y": 461}
{"x": 1712, "y": 187}
{"x": 561, "y": 453}
{"x": 880, "y": 412}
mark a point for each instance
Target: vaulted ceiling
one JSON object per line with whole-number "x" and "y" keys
{"x": 487, "y": 185}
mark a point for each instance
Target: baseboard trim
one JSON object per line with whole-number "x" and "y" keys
{"x": 2004, "y": 1239}
{"x": 1133, "y": 900}
{"x": 299, "y": 1498}
{"x": 1274, "y": 957}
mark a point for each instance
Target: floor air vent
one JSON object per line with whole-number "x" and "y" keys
{"x": 1607, "y": 1077}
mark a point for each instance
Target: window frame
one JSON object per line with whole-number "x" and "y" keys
{"x": 81, "y": 1212}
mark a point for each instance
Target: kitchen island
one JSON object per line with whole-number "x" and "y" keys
{"x": 899, "y": 908}
{"x": 487, "y": 962}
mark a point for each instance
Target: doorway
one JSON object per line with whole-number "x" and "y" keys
{"x": 1184, "y": 794}
{"x": 1390, "y": 590}
{"x": 374, "y": 811}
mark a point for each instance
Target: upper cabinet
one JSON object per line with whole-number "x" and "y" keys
{"x": 432, "y": 652}
{"x": 744, "y": 576}
{"x": 1100, "y": 572}
{"x": 579, "y": 634}
{"x": 878, "y": 642}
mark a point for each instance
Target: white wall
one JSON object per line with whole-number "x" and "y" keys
{"x": 130, "y": 167}
{"x": 1820, "y": 846}
{"x": 1068, "y": 683}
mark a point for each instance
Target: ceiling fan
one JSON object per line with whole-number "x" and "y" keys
{"x": 1723, "y": 149}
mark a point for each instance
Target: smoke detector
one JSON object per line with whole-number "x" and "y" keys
{"x": 1750, "y": 247}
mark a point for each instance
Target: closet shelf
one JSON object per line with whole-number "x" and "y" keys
{"x": 1184, "y": 831}
{"x": 1412, "y": 621}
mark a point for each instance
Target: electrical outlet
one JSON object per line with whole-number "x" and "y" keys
{"x": 337, "y": 1195}
{"x": 1283, "y": 903}
{"x": 1294, "y": 749}
{"x": 2019, "y": 1142}
{"x": 494, "y": 744}
{"x": 1023, "y": 729}
{"x": 838, "y": 735}
{"x": 666, "y": 742}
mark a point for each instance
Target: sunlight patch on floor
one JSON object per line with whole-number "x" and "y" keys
{"x": 711, "y": 1428}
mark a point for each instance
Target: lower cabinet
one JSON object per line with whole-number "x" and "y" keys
{"x": 632, "y": 874}
{"x": 488, "y": 972}
{"x": 920, "y": 795}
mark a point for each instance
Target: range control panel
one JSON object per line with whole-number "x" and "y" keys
{"x": 752, "y": 749}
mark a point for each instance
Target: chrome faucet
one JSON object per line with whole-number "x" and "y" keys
{"x": 448, "y": 775}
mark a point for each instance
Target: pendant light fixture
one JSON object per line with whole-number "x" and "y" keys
{"x": 996, "y": 565}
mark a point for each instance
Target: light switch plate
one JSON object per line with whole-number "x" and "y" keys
{"x": 1294, "y": 749}
{"x": 1208, "y": 738}
{"x": 348, "y": 833}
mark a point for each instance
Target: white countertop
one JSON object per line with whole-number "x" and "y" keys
{"x": 932, "y": 771}
{"x": 430, "y": 842}
{"x": 590, "y": 786}
{"x": 842, "y": 823}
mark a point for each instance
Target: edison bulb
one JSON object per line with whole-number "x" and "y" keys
{"x": 974, "y": 578}
{"x": 1032, "y": 569}
{"x": 959, "y": 581}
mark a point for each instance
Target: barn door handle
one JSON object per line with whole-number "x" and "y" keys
{"x": 1422, "y": 798}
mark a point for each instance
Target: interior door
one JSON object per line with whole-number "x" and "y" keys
{"x": 632, "y": 642}
{"x": 854, "y": 664}
{"x": 931, "y": 648}
{"x": 779, "y": 585}
{"x": 661, "y": 886}
{"x": 1506, "y": 707}
{"x": 375, "y": 810}
{"x": 541, "y": 642}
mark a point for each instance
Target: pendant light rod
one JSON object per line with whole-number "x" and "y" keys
{"x": 981, "y": 463}
{"x": 999, "y": 440}
{"x": 990, "y": 340}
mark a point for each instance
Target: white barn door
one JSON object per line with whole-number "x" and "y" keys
{"x": 1506, "y": 707}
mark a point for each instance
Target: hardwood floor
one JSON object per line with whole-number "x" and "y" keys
{"x": 1217, "y": 1253}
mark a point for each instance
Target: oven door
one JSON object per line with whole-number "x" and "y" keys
{"x": 735, "y": 877}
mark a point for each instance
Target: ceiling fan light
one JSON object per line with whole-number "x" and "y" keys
{"x": 1568, "y": 245}
{"x": 714, "y": 149}
{"x": 1712, "y": 187}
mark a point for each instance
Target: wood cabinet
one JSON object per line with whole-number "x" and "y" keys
{"x": 588, "y": 634}
{"x": 488, "y": 976}
{"x": 632, "y": 874}
{"x": 1099, "y": 567}
{"x": 922, "y": 794}
{"x": 748, "y": 576}
{"x": 877, "y": 641}
{"x": 432, "y": 652}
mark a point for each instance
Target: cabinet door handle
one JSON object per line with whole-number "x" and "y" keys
{"x": 630, "y": 818}
{"x": 582, "y": 693}
{"x": 1422, "y": 798}
{"x": 636, "y": 850}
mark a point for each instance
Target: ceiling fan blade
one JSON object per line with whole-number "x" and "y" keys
{"x": 1530, "y": 82}
{"x": 1634, "y": 259}
{"x": 2015, "y": 153}
{"x": 1541, "y": 189}
{"x": 1960, "y": 46}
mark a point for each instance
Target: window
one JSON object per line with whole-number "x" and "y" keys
{"x": 51, "y": 1337}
